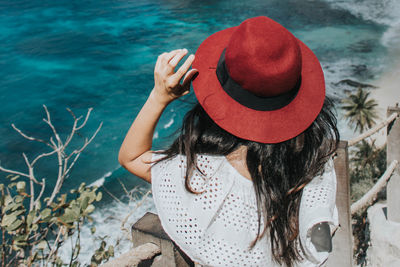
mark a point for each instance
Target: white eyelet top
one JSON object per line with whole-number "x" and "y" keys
{"x": 216, "y": 226}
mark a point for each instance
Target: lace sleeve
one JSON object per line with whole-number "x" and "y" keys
{"x": 318, "y": 204}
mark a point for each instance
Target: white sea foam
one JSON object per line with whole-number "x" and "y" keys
{"x": 380, "y": 11}
{"x": 99, "y": 182}
{"x": 108, "y": 224}
{"x": 391, "y": 38}
{"x": 168, "y": 124}
{"x": 155, "y": 135}
{"x": 386, "y": 12}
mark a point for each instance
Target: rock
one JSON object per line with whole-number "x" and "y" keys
{"x": 140, "y": 256}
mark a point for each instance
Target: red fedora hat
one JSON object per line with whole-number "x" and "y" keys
{"x": 258, "y": 81}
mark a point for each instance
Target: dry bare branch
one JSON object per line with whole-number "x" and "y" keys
{"x": 14, "y": 172}
{"x": 48, "y": 121}
{"x": 30, "y": 137}
{"x": 74, "y": 126}
{"x": 71, "y": 135}
{"x": 40, "y": 193}
{"x": 58, "y": 148}
{"x": 133, "y": 210}
{"x": 60, "y": 179}
{"x": 87, "y": 142}
{"x": 44, "y": 155}
{"x": 73, "y": 114}
{"x": 78, "y": 151}
{"x": 64, "y": 168}
{"x": 111, "y": 195}
{"x": 123, "y": 187}
{"x": 30, "y": 168}
{"x": 54, "y": 246}
{"x": 86, "y": 119}
{"x": 31, "y": 180}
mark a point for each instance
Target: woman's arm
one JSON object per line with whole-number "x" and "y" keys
{"x": 134, "y": 154}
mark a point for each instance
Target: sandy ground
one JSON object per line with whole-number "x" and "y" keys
{"x": 388, "y": 94}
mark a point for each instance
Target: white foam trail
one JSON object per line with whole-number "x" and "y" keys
{"x": 99, "y": 182}
{"x": 155, "y": 135}
{"x": 168, "y": 124}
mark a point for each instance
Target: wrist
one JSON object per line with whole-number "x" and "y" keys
{"x": 158, "y": 99}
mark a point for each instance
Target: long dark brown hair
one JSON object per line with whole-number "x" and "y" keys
{"x": 278, "y": 171}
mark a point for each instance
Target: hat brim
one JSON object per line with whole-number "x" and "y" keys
{"x": 260, "y": 126}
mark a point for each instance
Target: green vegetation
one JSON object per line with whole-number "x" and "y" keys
{"x": 33, "y": 237}
{"x": 360, "y": 110}
{"x": 367, "y": 164}
{"x": 34, "y": 227}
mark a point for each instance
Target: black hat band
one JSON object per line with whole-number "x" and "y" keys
{"x": 248, "y": 99}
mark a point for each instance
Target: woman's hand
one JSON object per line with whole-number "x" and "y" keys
{"x": 135, "y": 153}
{"x": 167, "y": 86}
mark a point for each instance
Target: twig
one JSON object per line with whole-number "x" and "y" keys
{"x": 54, "y": 245}
{"x": 41, "y": 192}
{"x": 31, "y": 176}
{"x": 60, "y": 179}
{"x": 87, "y": 142}
{"x": 132, "y": 211}
{"x": 114, "y": 197}
{"x": 14, "y": 172}
{"x": 63, "y": 168}
{"x": 74, "y": 128}
{"x": 77, "y": 243}
{"x": 30, "y": 137}
{"x": 86, "y": 118}
{"x": 48, "y": 121}
{"x": 44, "y": 155}
{"x": 31, "y": 179}
{"x": 77, "y": 152}
{"x": 123, "y": 187}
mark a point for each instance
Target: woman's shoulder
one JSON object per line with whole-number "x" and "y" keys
{"x": 205, "y": 162}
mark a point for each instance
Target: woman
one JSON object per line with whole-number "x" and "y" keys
{"x": 249, "y": 181}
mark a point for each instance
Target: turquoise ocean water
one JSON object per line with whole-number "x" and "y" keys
{"x": 101, "y": 54}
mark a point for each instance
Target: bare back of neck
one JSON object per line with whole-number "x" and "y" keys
{"x": 237, "y": 159}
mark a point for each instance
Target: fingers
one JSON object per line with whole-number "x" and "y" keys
{"x": 159, "y": 59}
{"x": 170, "y": 55}
{"x": 164, "y": 74}
{"x": 165, "y": 57}
{"x": 190, "y": 76}
{"x": 177, "y": 57}
{"x": 167, "y": 61}
{"x": 183, "y": 69}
